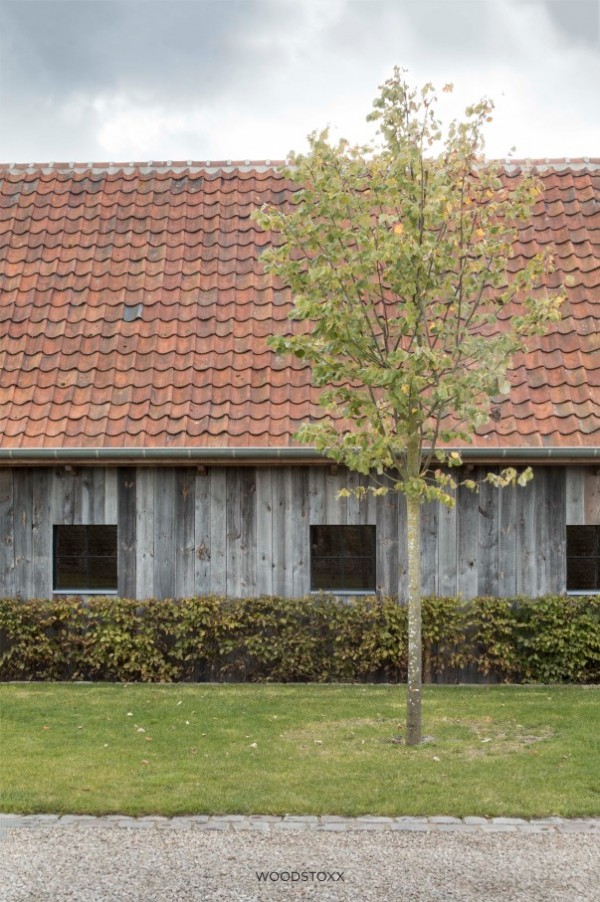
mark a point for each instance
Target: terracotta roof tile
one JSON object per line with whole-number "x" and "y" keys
{"x": 79, "y": 244}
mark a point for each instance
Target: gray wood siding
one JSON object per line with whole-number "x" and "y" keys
{"x": 246, "y": 531}
{"x": 583, "y": 496}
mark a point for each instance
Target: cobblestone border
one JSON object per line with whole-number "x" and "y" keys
{"x": 310, "y": 823}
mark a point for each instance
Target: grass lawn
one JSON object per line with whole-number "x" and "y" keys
{"x": 297, "y": 749}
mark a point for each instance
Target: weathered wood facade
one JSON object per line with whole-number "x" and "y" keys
{"x": 243, "y": 531}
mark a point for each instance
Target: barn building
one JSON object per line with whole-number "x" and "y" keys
{"x": 146, "y": 429}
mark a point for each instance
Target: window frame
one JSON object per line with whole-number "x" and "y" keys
{"x": 83, "y": 590}
{"x": 372, "y": 557}
{"x": 595, "y": 558}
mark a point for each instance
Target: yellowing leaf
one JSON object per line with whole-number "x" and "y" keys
{"x": 480, "y": 233}
{"x": 398, "y": 228}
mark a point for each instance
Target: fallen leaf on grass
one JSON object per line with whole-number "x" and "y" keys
{"x": 254, "y": 745}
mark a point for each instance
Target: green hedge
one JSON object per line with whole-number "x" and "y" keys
{"x": 320, "y": 639}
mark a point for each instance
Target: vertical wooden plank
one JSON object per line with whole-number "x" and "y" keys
{"x": 218, "y": 531}
{"x": 387, "y": 544}
{"x": 69, "y": 500}
{"x": 234, "y": 533}
{"x": 126, "y": 485}
{"x": 447, "y": 548}
{"x": 527, "y": 580}
{"x": 164, "y": 528}
{"x": 98, "y": 491}
{"x": 467, "y": 525}
{"x": 184, "y": 538}
{"x": 144, "y": 535}
{"x": 248, "y": 530}
{"x": 23, "y": 517}
{"x": 557, "y": 574}
{"x": 550, "y": 531}
{"x": 111, "y": 497}
{"x": 300, "y": 532}
{"x": 84, "y": 504}
{"x": 487, "y": 577}
{"x": 591, "y": 494}
{"x": 56, "y": 496}
{"x": 202, "y": 537}
{"x": 368, "y": 505}
{"x": 316, "y": 496}
{"x": 542, "y": 530}
{"x": 264, "y": 531}
{"x": 429, "y": 555}
{"x": 42, "y": 533}
{"x": 507, "y": 541}
{"x": 282, "y": 540}
{"x": 335, "y": 510}
{"x": 352, "y": 503}
{"x": 575, "y": 503}
{"x": 7, "y": 543}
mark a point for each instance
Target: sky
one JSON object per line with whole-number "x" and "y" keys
{"x": 120, "y": 80}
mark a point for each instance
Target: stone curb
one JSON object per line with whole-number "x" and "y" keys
{"x": 310, "y": 823}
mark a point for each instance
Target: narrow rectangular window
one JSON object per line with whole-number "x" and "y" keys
{"x": 85, "y": 559}
{"x": 583, "y": 558}
{"x": 342, "y": 558}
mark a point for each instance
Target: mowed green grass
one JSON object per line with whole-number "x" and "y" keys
{"x": 297, "y": 749}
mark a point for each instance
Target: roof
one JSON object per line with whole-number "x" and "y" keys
{"x": 82, "y": 366}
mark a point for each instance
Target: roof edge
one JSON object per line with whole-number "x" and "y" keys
{"x": 145, "y": 167}
{"x": 565, "y": 454}
{"x": 509, "y": 164}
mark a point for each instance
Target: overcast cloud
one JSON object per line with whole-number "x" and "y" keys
{"x": 220, "y": 79}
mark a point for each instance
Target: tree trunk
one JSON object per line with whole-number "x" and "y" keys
{"x": 413, "y": 711}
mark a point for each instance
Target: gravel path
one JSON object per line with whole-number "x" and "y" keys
{"x": 154, "y": 860}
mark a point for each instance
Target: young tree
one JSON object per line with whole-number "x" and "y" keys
{"x": 401, "y": 264}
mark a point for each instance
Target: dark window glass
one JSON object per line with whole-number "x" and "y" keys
{"x": 583, "y": 558}
{"x": 85, "y": 557}
{"x": 342, "y": 558}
